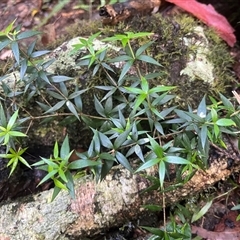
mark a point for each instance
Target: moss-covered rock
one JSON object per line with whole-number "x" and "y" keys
{"x": 192, "y": 56}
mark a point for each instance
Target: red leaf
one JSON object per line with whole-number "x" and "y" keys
{"x": 208, "y": 15}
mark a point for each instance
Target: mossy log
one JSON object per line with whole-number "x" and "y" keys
{"x": 193, "y": 58}
{"x": 97, "y": 207}
{"x": 118, "y": 198}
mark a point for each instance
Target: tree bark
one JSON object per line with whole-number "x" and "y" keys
{"x": 97, "y": 207}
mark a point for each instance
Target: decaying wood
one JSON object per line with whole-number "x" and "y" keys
{"x": 112, "y": 14}
{"x": 112, "y": 202}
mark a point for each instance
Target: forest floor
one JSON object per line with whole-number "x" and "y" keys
{"x": 53, "y": 18}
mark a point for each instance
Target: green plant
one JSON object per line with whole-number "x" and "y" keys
{"x": 59, "y": 167}
{"x": 172, "y": 231}
{"x": 134, "y": 116}
{"x": 204, "y": 126}
{"x": 192, "y": 131}
{"x": 33, "y": 76}
{"x": 9, "y": 134}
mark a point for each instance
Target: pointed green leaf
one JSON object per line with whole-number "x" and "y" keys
{"x": 134, "y": 90}
{"x": 45, "y": 107}
{"x": 122, "y": 58}
{"x": 56, "y": 95}
{"x": 148, "y": 164}
{"x": 176, "y": 160}
{"x": 55, "y": 150}
{"x": 202, "y": 108}
{"x": 23, "y": 68}
{"x": 196, "y": 117}
{"x": 121, "y": 139}
{"x": 77, "y": 102}
{"x": 42, "y": 74}
{"x": 99, "y": 108}
{"x": 65, "y": 148}
{"x": 157, "y": 231}
{"x": 139, "y": 34}
{"x": 203, "y": 135}
{"x": 144, "y": 84}
{"x": 22, "y": 160}
{"x": 139, "y": 100}
{"x": 6, "y": 139}
{"x": 216, "y": 130}
{"x": 15, "y": 50}
{"x": 123, "y": 160}
{"x": 166, "y": 111}
{"x": 62, "y": 175}
{"x": 148, "y": 59}
{"x": 203, "y": 210}
{"x": 162, "y": 173}
{"x": 48, "y": 176}
{"x": 31, "y": 48}
{"x": 70, "y": 184}
{"x": 16, "y": 134}
{"x": 236, "y": 207}
{"x": 95, "y": 144}
{"x": 64, "y": 90}
{"x": 125, "y": 69}
{"x": 49, "y": 162}
{"x": 59, "y": 184}
{"x": 56, "y": 191}
{"x": 13, "y": 166}
{"x": 143, "y": 48}
{"x": 109, "y": 104}
{"x": 39, "y": 53}
{"x": 79, "y": 164}
{"x": 157, "y": 113}
{"x": 153, "y": 208}
{"x": 9, "y": 28}
{"x": 225, "y": 122}
{"x": 3, "y": 119}
{"x": 12, "y": 120}
{"x": 105, "y": 140}
{"x": 58, "y": 79}
{"x": 46, "y": 64}
{"x": 72, "y": 109}
{"x": 107, "y": 156}
{"x": 227, "y": 103}
{"x": 157, "y": 149}
{"x": 214, "y": 115}
{"x": 120, "y": 125}
{"x": 183, "y": 115}
{"x": 5, "y": 43}
{"x": 139, "y": 153}
{"x": 27, "y": 34}
{"x": 56, "y": 107}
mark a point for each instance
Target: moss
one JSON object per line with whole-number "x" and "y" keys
{"x": 192, "y": 56}
{"x": 179, "y": 43}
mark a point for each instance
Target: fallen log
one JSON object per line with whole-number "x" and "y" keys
{"x": 119, "y": 197}
{"x": 97, "y": 207}
{"x": 193, "y": 74}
